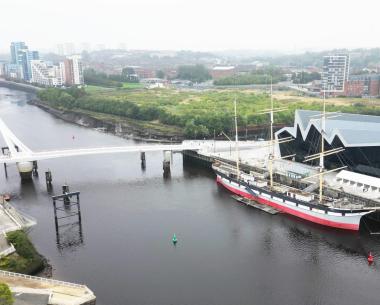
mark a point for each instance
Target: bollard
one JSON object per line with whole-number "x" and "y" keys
{"x": 35, "y": 169}
{"x": 48, "y": 178}
{"x": 65, "y": 190}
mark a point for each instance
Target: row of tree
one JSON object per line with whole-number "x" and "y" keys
{"x": 259, "y": 77}
{"x": 305, "y": 77}
{"x": 194, "y": 73}
{"x": 95, "y": 78}
{"x": 195, "y": 126}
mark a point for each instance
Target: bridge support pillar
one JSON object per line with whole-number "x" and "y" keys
{"x": 25, "y": 169}
{"x": 166, "y": 163}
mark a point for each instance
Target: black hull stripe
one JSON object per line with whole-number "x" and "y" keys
{"x": 286, "y": 198}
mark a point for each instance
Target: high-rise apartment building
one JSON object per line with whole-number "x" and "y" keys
{"x": 335, "y": 72}
{"x": 15, "y": 48}
{"x": 22, "y": 56}
{"x": 72, "y": 70}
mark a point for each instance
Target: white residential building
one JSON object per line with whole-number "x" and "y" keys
{"x": 77, "y": 69}
{"x": 335, "y": 72}
{"x": 45, "y": 74}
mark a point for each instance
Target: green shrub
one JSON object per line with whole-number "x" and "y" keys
{"x": 27, "y": 260}
{"x": 6, "y": 297}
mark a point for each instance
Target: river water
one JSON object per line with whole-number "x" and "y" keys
{"x": 227, "y": 254}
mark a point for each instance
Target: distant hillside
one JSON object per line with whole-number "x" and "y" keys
{"x": 360, "y": 58}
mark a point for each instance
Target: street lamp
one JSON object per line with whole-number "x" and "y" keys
{"x": 229, "y": 139}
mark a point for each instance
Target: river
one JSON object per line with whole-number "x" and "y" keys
{"x": 227, "y": 254}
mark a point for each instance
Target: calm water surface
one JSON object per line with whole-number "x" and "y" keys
{"x": 227, "y": 254}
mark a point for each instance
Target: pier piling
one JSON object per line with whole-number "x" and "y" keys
{"x": 49, "y": 179}
{"x": 142, "y": 157}
{"x": 65, "y": 191}
{"x": 166, "y": 163}
{"x": 61, "y": 212}
{"x": 4, "y": 150}
{"x": 35, "y": 169}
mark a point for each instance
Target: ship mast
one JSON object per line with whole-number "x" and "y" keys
{"x": 236, "y": 141}
{"x": 271, "y": 154}
{"x": 322, "y": 158}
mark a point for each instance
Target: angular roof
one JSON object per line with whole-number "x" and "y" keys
{"x": 354, "y": 130}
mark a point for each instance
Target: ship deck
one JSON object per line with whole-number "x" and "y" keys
{"x": 256, "y": 205}
{"x": 257, "y": 160}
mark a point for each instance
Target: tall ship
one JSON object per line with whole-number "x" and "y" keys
{"x": 343, "y": 212}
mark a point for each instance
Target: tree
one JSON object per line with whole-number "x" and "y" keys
{"x": 6, "y": 297}
{"x": 197, "y": 73}
{"x": 92, "y": 77}
{"x": 160, "y": 74}
{"x": 305, "y": 77}
{"x": 128, "y": 74}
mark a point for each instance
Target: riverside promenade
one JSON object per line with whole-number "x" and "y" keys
{"x": 29, "y": 288}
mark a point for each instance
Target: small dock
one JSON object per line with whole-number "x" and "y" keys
{"x": 256, "y": 205}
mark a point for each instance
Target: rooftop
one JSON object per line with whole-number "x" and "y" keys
{"x": 224, "y": 68}
{"x": 354, "y": 130}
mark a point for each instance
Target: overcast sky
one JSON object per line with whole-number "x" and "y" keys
{"x": 292, "y": 25}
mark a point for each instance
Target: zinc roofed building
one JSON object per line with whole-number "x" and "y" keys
{"x": 357, "y": 134}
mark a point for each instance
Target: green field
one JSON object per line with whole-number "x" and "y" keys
{"x": 132, "y": 86}
{"x": 198, "y": 113}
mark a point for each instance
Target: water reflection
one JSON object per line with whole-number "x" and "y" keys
{"x": 227, "y": 253}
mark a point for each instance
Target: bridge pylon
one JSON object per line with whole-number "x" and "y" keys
{"x": 16, "y": 148}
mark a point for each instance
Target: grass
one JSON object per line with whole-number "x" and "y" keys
{"x": 26, "y": 259}
{"x": 132, "y": 86}
{"x": 218, "y": 101}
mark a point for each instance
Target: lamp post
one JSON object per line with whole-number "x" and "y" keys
{"x": 228, "y": 138}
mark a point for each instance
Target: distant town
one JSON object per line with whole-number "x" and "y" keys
{"x": 310, "y": 73}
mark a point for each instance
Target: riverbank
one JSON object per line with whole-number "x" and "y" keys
{"x": 119, "y": 126}
{"x": 18, "y": 86}
{"x": 25, "y": 259}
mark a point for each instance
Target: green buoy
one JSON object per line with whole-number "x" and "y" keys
{"x": 174, "y": 239}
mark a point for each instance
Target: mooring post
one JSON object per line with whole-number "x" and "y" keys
{"x": 55, "y": 216}
{"x": 65, "y": 190}
{"x": 48, "y": 178}
{"x": 79, "y": 213}
{"x": 166, "y": 163}
{"x": 142, "y": 158}
{"x": 5, "y": 170}
{"x": 35, "y": 168}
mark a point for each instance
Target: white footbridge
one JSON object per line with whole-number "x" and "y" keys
{"x": 17, "y": 152}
